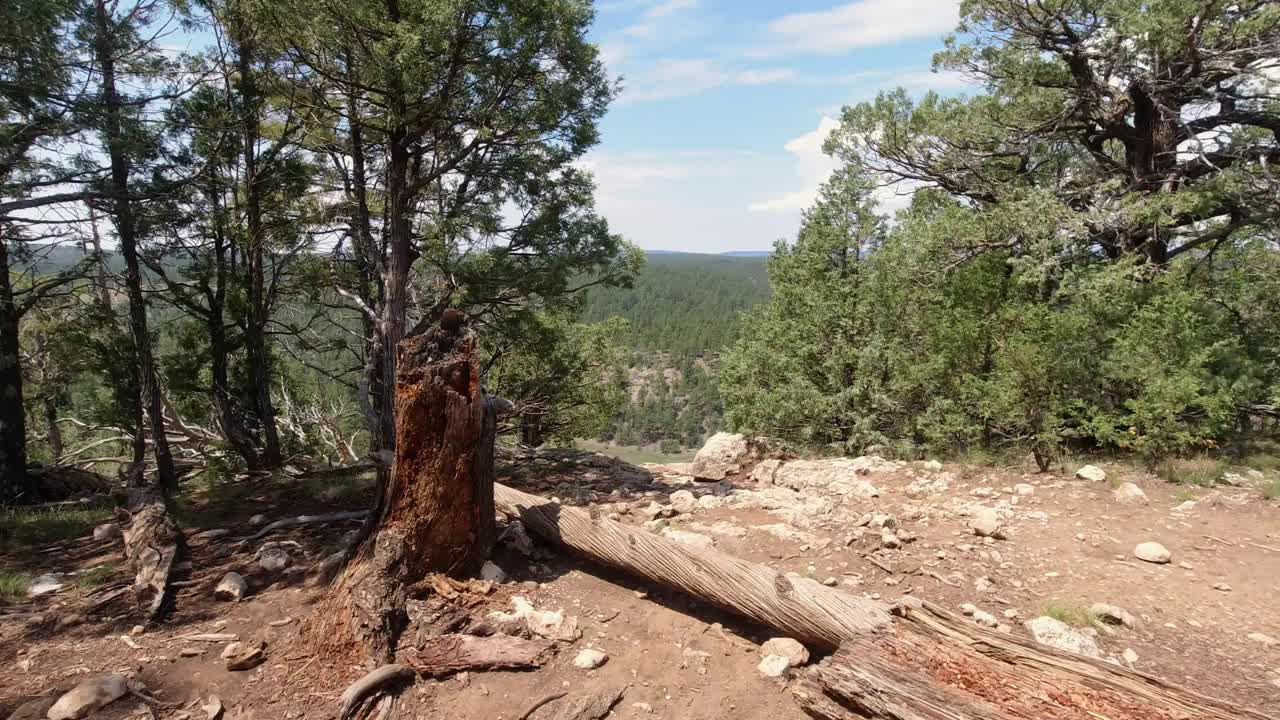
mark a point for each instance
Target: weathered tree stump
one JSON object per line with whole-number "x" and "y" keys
{"x": 435, "y": 514}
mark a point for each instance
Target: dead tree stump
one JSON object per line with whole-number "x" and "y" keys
{"x": 435, "y": 514}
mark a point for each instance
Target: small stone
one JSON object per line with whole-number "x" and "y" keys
{"x": 774, "y": 667}
{"x": 1264, "y": 639}
{"x": 890, "y": 541}
{"x": 986, "y": 523}
{"x": 643, "y": 707}
{"x": 231, "y": 588}
{"x": 1129, "y": 494}
{"x": 1130, "y": 656}
{"x": 984, "y": 618}
{"x": 795, "y": 653}
{"x": 212, "y": 707}
{"x": 191, "y": 652}
{"x": 258, "y": 519}
{"x": 1091, "y": 473}
{"x": 1024, "y": 489}
{"x": 709, "y": 502}
{"x": 1152, "y": 552}
{"x": 250, "y": 656}
{"x": 491, "y": 572}
{"x": 231, "y": 650}
{"x": 1222, "y": 587}
{"x": 590, "y": 659}
{"x": 1113, "y": 615}
{"x": 273, "y": 559}
{"x": 87, "y": 697}
{"x": 106, "y": 531}
{"x": 1057, "y": 634}
{"x": 683, "y": 501}
{"x": 968, "y": 608}
{"x": 831, "y": 581}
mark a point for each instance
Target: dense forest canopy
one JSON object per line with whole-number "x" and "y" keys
{"x": 1092, "y": 258}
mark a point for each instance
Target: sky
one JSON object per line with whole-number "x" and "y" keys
{"x": 715, "y": 141}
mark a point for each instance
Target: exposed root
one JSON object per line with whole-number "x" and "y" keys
{"x": 539, "y": 703}
{"x": 307, "y": 520}
{"x": 353, "y": 697}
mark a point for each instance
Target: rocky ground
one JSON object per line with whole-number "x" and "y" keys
{"x": 1175, "y": 582}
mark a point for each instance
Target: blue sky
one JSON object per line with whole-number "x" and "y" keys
{"x": 715, "y": 141}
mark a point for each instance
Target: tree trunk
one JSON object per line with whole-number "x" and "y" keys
{"x": 912, "y": 661}
{"x": 127, "y": 233}
{"x": 256, "y": 330}
{"x": 436, "y": 515}
{"x": 15, "y": 484}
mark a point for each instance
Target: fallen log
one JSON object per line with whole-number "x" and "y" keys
{"x": 442, "y": 655}
{"x": 912, "y": 661}
{"x": 151, "y": 542}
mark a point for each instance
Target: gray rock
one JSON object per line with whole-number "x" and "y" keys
{"x": 764, "y": 471}
{"x": 1113, "y": 615}
{"x": 90, "y": 695}
{"x": 491, "y": 572}
{"x": 231, "y": 588}
{"x": 774, "y": 667}
{"x": 258, "y": 519}
{"x": 1091, "y": 473}
{"x": 276, "y": 555}
{"x": 683, "y": 501}
{"x": 795, "y": 653}
{"x": 515, "y": 536}
{"x": 685, "y": 537}
{"x": 1129, "y": 494}
{"x": 45, "y": 584}
{"x": 723, "y": 454}
{"x": 986, "y": 523}
{"x": 984, "y": 618}
{"x": 1057, "y": 634}
{"x": 840, "y": 476}
{"x": 1130, "y": 656}
{"x": 590, "y": 659}
{"x": 106, "y": 531}
{"x": 709, "y": 502}
{"x": 1152, "y": 552}
{"x": 1024, "y": 489}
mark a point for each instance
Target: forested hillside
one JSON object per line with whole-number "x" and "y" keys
{"x": 684, "y": 303}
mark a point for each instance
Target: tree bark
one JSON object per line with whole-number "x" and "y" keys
{"x": 256, "y": 330}
{"x": 15, "y": 485}
{"x": 127, "y": 233}
{"x": 436, "y": 515}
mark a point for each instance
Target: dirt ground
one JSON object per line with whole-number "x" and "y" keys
{"x": 1068, "y": 543}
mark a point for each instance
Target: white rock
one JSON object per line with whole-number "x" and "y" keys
{"x": 1129, "y": 494}
{"x": 986, "y": 523}
{"x": 1264, "y": 639}
{"x": 45, "y": 584}
{"x": 1024, "y": 489}
{"x": 1130, "y": 656}
{"x": 551, "y": 624}
{"x": 683, "y": 501}
{"x": 685, "y": 537}
{"x": 590, "y": 659}
{"x": 106, "y": 531}
{"x": 709, "y": 502}
{"x": 840, "y": 476}
{"x": 723, "y": 454}
{"x": 231, "y": 588}
{"x": 1093, "y": 473}
{"x": 932, "y": 465}
{"x": 764, "y": 471}
{"x": 795, "y": 653}
{"x": 258, "y": 519}
{"x": 1186, "y": 506}
{"x": 1222, "y": 587}
{"x": 775, "y": 667}
{"x": 1152, "y": 552}
{"x": 1057, "y": 634}
{"x": 1113, "y": 614}
{"x": 491, "y": 572}
{"x": 982, "y": 617}
{"x": 90, "y": 695}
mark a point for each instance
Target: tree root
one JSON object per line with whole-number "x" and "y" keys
{"x": 355, "y": 694}
{"x": 539, "y": 703}
{"x": 307, "y": 520}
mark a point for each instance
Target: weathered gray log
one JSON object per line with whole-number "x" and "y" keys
{"x": 808, "y": 611}
{"x": 924, "y": 664}
{"x": 441, "y": 655}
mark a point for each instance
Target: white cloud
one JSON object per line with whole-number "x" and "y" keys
{"x": 866, "y": 23}
{"x": 812, "y": 167}
{"x": 664, "y": 9}
{"x": 673, "y": 78}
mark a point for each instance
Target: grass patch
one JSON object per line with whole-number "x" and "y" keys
{"x": 1184, "y": 494}
{"x": 95, "y": 576}
{"x": 14, "y": 584}
{"x": 339, "y": 489}
{"x": 1271, "y": 490}
{"x": 1204, "y": 472}
{"x": 1072, "y": 612}
{"x": 1262, "y": 462}
{"x": 24, "y": 527}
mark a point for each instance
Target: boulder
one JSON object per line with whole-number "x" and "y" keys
{"x": 248, "y": 656}
{"x": 1129, "y": 494}
{"x": 774, "y": 667}
{"x": 1152, "y": 552}
{"x": 795, "y": 653}
{"x": 723, "y": 454}
{"x": 1057, "y": 634}
{"x": 1092, "y": 473}
{"x": 89, "y": 696}
{"x": 764, "y": 471}
{"x": 106, "y": 531}
{"x": 590, "y": 659}
{"x": 841, "y": 476}
{"x": 231, "y": 588}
